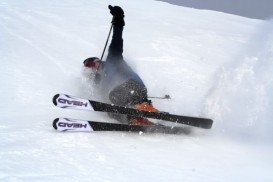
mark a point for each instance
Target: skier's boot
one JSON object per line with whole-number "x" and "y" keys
{"x": 146, "y": 106}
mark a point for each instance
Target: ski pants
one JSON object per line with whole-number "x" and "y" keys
{"x": 128, "y": 94}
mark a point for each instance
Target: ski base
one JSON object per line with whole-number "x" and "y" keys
{"x": 75, "y": 125}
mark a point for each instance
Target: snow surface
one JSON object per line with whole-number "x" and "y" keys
{"x": 212, "y": 64}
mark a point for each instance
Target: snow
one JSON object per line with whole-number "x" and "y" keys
{"x": 212, "y": 64}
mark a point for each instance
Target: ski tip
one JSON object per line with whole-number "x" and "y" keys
{"x": 55, "y": 123}
{"x": 55, "y": 99}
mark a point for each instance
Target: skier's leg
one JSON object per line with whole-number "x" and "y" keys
{"x": 116, "y": 46}
{"x": 128, "y": 94}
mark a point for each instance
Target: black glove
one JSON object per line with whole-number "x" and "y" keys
{"x": 118, "y": 15}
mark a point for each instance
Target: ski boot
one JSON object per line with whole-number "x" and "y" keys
{"x": 145, "y": 106}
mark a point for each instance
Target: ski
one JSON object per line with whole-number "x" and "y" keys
{"x": 75, "y": 125}
{"x": 67, "y": 101}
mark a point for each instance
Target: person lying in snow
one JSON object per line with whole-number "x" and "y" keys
{"x": 118, "y": 81}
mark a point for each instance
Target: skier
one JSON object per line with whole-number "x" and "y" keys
{"x": 117, "y": 80}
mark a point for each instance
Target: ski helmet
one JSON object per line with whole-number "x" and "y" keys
{"x": 90, "y": 62}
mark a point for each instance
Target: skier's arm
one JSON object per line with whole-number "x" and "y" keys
{"x": 116, "y": 47}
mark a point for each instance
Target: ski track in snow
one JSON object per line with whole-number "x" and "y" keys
{"x": 217, "y": 66}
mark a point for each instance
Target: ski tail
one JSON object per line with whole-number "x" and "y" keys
{"x": 55, "y": 123}
{"x": 54, "y": 100}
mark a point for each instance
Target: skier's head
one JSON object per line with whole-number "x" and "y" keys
{"x": 92, "y": 62}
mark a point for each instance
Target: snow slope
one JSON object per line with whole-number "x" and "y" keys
{"x": 212, "y": 64}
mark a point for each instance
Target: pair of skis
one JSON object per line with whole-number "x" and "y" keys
{"x": 66, "y": 124}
